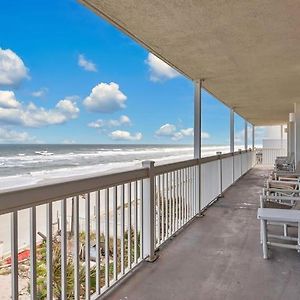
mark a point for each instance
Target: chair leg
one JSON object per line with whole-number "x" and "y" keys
{"x": 298, "y": 242}
{"x": 264, "y": 231}
{"x": 285, "y": 230}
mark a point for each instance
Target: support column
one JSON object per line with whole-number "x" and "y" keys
{"x": 253, "y": 137}
{"x": 246, "y": 135}
{"x": 197, "y": 139}
{"x": 292, "y": 136}
{"x": 281, "y": 136}
{"x": 288, "y": 139}
{"x": 297, "y": 133}
{"x": 231, "y": 130}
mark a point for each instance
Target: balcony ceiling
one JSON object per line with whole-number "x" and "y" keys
{"x": 248, "y": 52}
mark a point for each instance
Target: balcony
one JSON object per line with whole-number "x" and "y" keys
{"x": 185, "y": 230}
{"x": 89, "y": 234}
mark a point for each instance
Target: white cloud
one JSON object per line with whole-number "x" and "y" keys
{"x": 205, "y": 135}
{"x": 97, "y": 124}
{"x": 166, "y": 130}
{"x": 86, "y": 64}
{"x": 239, "y": 136}
{"x": 170, "y": 130}
{"x": 40, "y": 93}
{"x": 159, "y": 70}
{"x": 68, "y": 107}
{"x": 188, "y": 132}
{"x": 105, "y": 98}
{"x": 12, "y": 68}
{"x": 122, "y": 121}
{"x": 12, "y": 136}
{"x": 32, "y": 116}
{"x": 125, "y": 135}
{"x": 8, "y": 100}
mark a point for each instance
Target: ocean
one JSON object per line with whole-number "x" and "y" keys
{"x": 22, "y": 165}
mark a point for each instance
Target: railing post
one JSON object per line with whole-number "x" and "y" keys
{"x": 149, "y": 213}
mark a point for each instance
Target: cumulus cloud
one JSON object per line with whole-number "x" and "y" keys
{"x": 97, "y": 124}
{"x": 159, "y": 70}
{"x": 122, "y": 135}
{"x": 40, "y": 93}
{"x": 122, "y": 121}
{"x": 8, "y": 100}
{"x": 32, "y": 116}
{"x": 12, "y": 136}
{"x": 170, "y": 130}
{"x": 166, "y": 130}
{"x": 68, "y": 107}
{"x": 12, "y": 68}
{"x": 105, "y": 98}
{"x": 86, "y": 64}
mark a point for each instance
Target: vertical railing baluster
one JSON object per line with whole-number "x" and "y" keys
{"x": 33, "y": 286}
{"x": 76, "y": 249}
{"x": 183, "y": 199}
{"x": 173, "y": 201}
{"x": 98, "y": 235}
{"x": 162, "y": 207}
{"x": 14, "y": 256}
{"x": 87, "y": 246}
{"x": 49, "y": 252}
{"x": 170, "y": 203}
{"x": 190, "y": 193}
{"x": 63, "y": 249}
{"x": 194, "y": 191}
{"x": 186, "y": 194}
{"x": 141, "y": 217}
{"x": 167, "y": 204}
{"x": 180, "y": 198}
{"x": 158, "y": 199}
{"x": 107, "y": 279}
{"x": 115, "y": 234}
{"x": 176, "y": 199}
{"x": 129, "y": 224}
{"x": 135, "y": 222}
{"x": 122, "y": 188}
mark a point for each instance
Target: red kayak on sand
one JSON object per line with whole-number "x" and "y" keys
{"x": 23, "y": 255}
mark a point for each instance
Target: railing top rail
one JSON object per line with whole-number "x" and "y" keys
{"x": 24, "y": 197}
{"x": 160, "y": 169}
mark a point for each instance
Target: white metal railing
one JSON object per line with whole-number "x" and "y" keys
{"x": 76, "y": 239}
{"x": 175, "y": 199}
{"x": 270, "y": 154}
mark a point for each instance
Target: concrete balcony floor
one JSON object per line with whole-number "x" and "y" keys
{"x": 219, "y": 256}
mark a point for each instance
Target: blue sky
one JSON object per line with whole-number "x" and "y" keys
{"x": 69, "y": 76}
